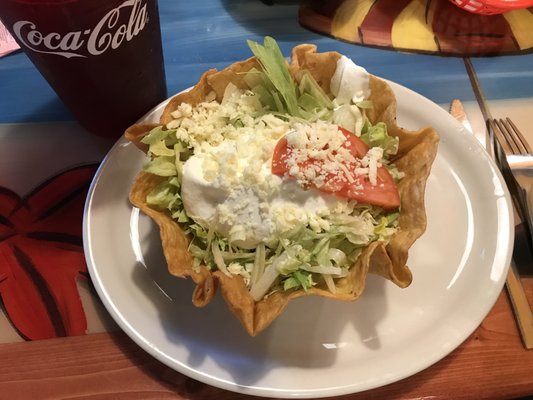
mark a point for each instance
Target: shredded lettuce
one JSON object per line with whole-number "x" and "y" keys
{"x": 164, "y": 196}
{"x": 157, "y": 134}
{"x": 162, "y": 166}
{"x": 312, "y": 96}
{"x": 298, "y": 279}
{"x": 279, "y": 92}
{"x": 276, "y": 74}
{"x": 377, "y": 135}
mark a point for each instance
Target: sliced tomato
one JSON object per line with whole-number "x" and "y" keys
{"x": 357, "y": 147}
{"x": 279, "y": 157}
{"x": 333, "y": 184}
{"x": 383, "y": 194}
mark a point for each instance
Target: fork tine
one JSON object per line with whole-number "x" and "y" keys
{"x": 509, "y": 136}
{"x": 519, "y": 138}
{"x": 501, "y": 137}
{"x": 512, "y": 139}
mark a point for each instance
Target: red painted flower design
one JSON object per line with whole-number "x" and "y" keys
{"x": 41, "y": 255}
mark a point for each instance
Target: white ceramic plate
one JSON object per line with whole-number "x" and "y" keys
{"x": 317, "y": 347}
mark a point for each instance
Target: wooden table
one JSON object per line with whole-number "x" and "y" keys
{"x": 490, "y": 364}
{"x": 105, "y": 363}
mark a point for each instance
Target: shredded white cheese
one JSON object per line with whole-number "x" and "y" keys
{"x": 228, "y": 184}
{"x": 319, "y": 154}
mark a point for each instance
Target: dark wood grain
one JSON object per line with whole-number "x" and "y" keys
{"x": 491, "y": 364}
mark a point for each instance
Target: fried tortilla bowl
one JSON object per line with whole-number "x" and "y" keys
{"x": 415, "y": 157}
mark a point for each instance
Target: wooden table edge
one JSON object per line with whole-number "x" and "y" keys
{"x": 492, "y": 363}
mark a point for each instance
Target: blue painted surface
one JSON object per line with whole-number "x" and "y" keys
{"x": 212, "y": 33}
{"x": 506, "y": 77}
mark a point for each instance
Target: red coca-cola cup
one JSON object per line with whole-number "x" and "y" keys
{"x": 103, "y": 58}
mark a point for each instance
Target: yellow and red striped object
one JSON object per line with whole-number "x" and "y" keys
{"x": 427, "y": 26}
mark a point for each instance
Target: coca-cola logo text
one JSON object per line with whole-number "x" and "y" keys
{"x": 106, "y": 34}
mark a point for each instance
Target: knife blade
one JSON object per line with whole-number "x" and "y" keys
{"x": 458, "y": 112}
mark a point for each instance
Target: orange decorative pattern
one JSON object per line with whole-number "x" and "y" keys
{"x": 41, "y": 256}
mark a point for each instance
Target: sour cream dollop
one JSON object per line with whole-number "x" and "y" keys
{"x": 350, "y": 82}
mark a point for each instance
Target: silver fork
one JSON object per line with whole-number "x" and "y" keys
{"x": 515, "y": 159}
